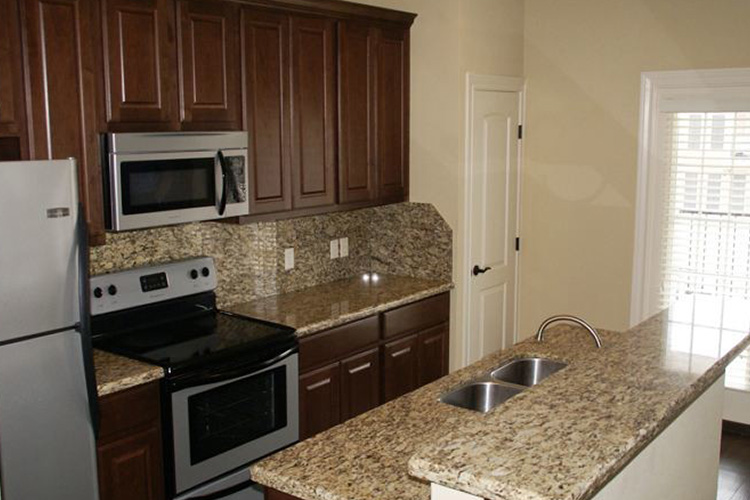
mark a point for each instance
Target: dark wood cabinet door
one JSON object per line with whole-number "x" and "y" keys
{"x": 209, "y": 65}
{"x": 433, "y": 354}
{"x": 13, "y": 138}
{"x": 357, "y": 167}
{"x": 400, "y": 369}
{"x": 393, "y": 115}
{"x": 320, "y": 400}
{"x": 313, "y": 112}
{"x": 130, "y": 468}
{"x": 266, "y": 75}
{"x": 140, "y": 64}
{"x": 360, "y": 384}
{"x": 61, "y": 91}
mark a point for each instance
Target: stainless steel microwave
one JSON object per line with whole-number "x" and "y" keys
{"x": 159, "y": 179}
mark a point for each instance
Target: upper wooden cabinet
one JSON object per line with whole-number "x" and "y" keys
{"x": 357, "y": 69}
{"x": 209, "y": 65}
{"x": 62, "y": 93}
{"x": 393, "y": 114}
{"x": 140, "y": 64}
{"x": 13, "y": 143}
{"x": 313, "y": 112}
{"x": 321, "y": 87}
{"x": 265, "y": 54}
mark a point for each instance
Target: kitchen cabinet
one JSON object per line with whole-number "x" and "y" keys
{"x": 61, "y": 93}
{"x": 320, "y": 86}
{"x": 313, "y": 93}
{"x": 433, "y": 353}
{"x": 360, "y": 376}
{"x": 129, "y": 450}
{"x": 320, "y": 400}
{"x": 374, "y": 113}
{"x": 393, "y": 115}
{"x": 353, "y": 368}
{"x": 265, "y": 36}
{"x": 357, "y": 118}
{"x": 139, "y": 55}
{"x": 400, "y": 368}
{"x": 209, "y": 65}
{"x": 13, "y": 137}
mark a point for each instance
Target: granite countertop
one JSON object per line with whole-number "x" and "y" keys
{"x": 562, "y": 439}
{"x": 325, "y": 306}
{"x": 116, "y": 373}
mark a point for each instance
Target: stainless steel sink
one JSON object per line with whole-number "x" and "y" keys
{"x": 527, "y": 371}
{"x": 480, "y": 396}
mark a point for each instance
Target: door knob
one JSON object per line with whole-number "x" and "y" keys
{"x": 479, "y": 270}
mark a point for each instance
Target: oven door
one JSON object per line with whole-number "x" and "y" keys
{"x": 157, "y": 189}
{"x": 220, "y": 426}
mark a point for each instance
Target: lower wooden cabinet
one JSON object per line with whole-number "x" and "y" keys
{"x": 433, "y": 353}
{"x": 129, "y": 449}
{"x": 319, "y": 398}
{"x": 401, "y": 368}
{"x": 351, "y": 369}
{"x": 360, "y": 379}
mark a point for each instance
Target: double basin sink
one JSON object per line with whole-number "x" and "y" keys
{"x": 501, "y": 384}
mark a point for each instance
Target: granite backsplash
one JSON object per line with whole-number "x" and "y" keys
{"x": 408, "y": 239}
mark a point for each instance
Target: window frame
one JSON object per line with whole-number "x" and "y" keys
{"x": 657, "y": 90}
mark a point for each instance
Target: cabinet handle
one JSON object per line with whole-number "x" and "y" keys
{"x": 317, "y": 385}
{"x": 360, "y": 368}
{"x": 396, "y": 354}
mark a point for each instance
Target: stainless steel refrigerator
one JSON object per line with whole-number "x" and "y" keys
{"x": 48, "y": 409}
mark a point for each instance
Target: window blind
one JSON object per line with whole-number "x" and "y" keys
{"x": 706, "y": 226}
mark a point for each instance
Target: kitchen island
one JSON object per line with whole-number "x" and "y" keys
{"x": 565, "y": 438}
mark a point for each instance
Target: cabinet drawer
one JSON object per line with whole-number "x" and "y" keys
{"x": 127, "y": 409}
{"x": 417, "y": 316}
{"x": 337, "y": 342}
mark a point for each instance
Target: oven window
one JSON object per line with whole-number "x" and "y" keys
{"x": 160, "y": 185}
{"x": 237, "y": 413}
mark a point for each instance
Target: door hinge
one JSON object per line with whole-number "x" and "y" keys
{"x": 520, "y": 131}
{"x": 518, "y": 244}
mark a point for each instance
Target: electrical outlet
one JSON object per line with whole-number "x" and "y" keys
{"x": 334, "y": 249}
{"x": 344, "y": 247}
{"x": 288, "y": 259}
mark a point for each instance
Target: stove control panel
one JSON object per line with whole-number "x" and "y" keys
{"x": 149, "y": 285}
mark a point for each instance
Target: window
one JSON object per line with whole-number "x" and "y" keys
{"x": 693, "y": 204}
{"x": 707, "y": 206}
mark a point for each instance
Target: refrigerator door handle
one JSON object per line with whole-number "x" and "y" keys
{"x": 84, "y": 325}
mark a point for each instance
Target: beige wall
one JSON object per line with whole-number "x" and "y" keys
{"x": 583, "y": 60}
{"x": 449, "y": 38}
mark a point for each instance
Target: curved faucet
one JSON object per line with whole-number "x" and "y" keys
{"x": 571, "y": 319}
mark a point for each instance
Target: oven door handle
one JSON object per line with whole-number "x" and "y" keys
{"x": 222, "y": 375}
{"x": 224, "y": 182}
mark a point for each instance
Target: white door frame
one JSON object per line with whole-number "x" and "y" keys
{"x": 478, "y": 82}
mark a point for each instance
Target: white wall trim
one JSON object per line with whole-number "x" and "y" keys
{"x": 655, "y": 86}
{"x": 477, "y": 82}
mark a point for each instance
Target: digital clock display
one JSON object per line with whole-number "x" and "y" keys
{"x": 154, "y": 282}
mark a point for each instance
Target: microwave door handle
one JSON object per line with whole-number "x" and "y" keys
{"x": 224, "y": 187}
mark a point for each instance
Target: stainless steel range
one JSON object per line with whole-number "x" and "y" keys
{"x": 230, "y": 394}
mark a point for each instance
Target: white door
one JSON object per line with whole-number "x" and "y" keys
{"x": 492, "y": 207}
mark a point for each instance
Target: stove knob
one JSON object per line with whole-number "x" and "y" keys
{"x": 98, "y": 292}
{"x": 205, "y": 272}
{"x": 112, "y": 290}
{"x": 194, "y": 274}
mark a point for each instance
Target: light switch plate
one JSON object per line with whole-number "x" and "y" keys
{"x": 334, "y": 249}
{"x": 288, "y": 259}
{"x": 344, "y": 247}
